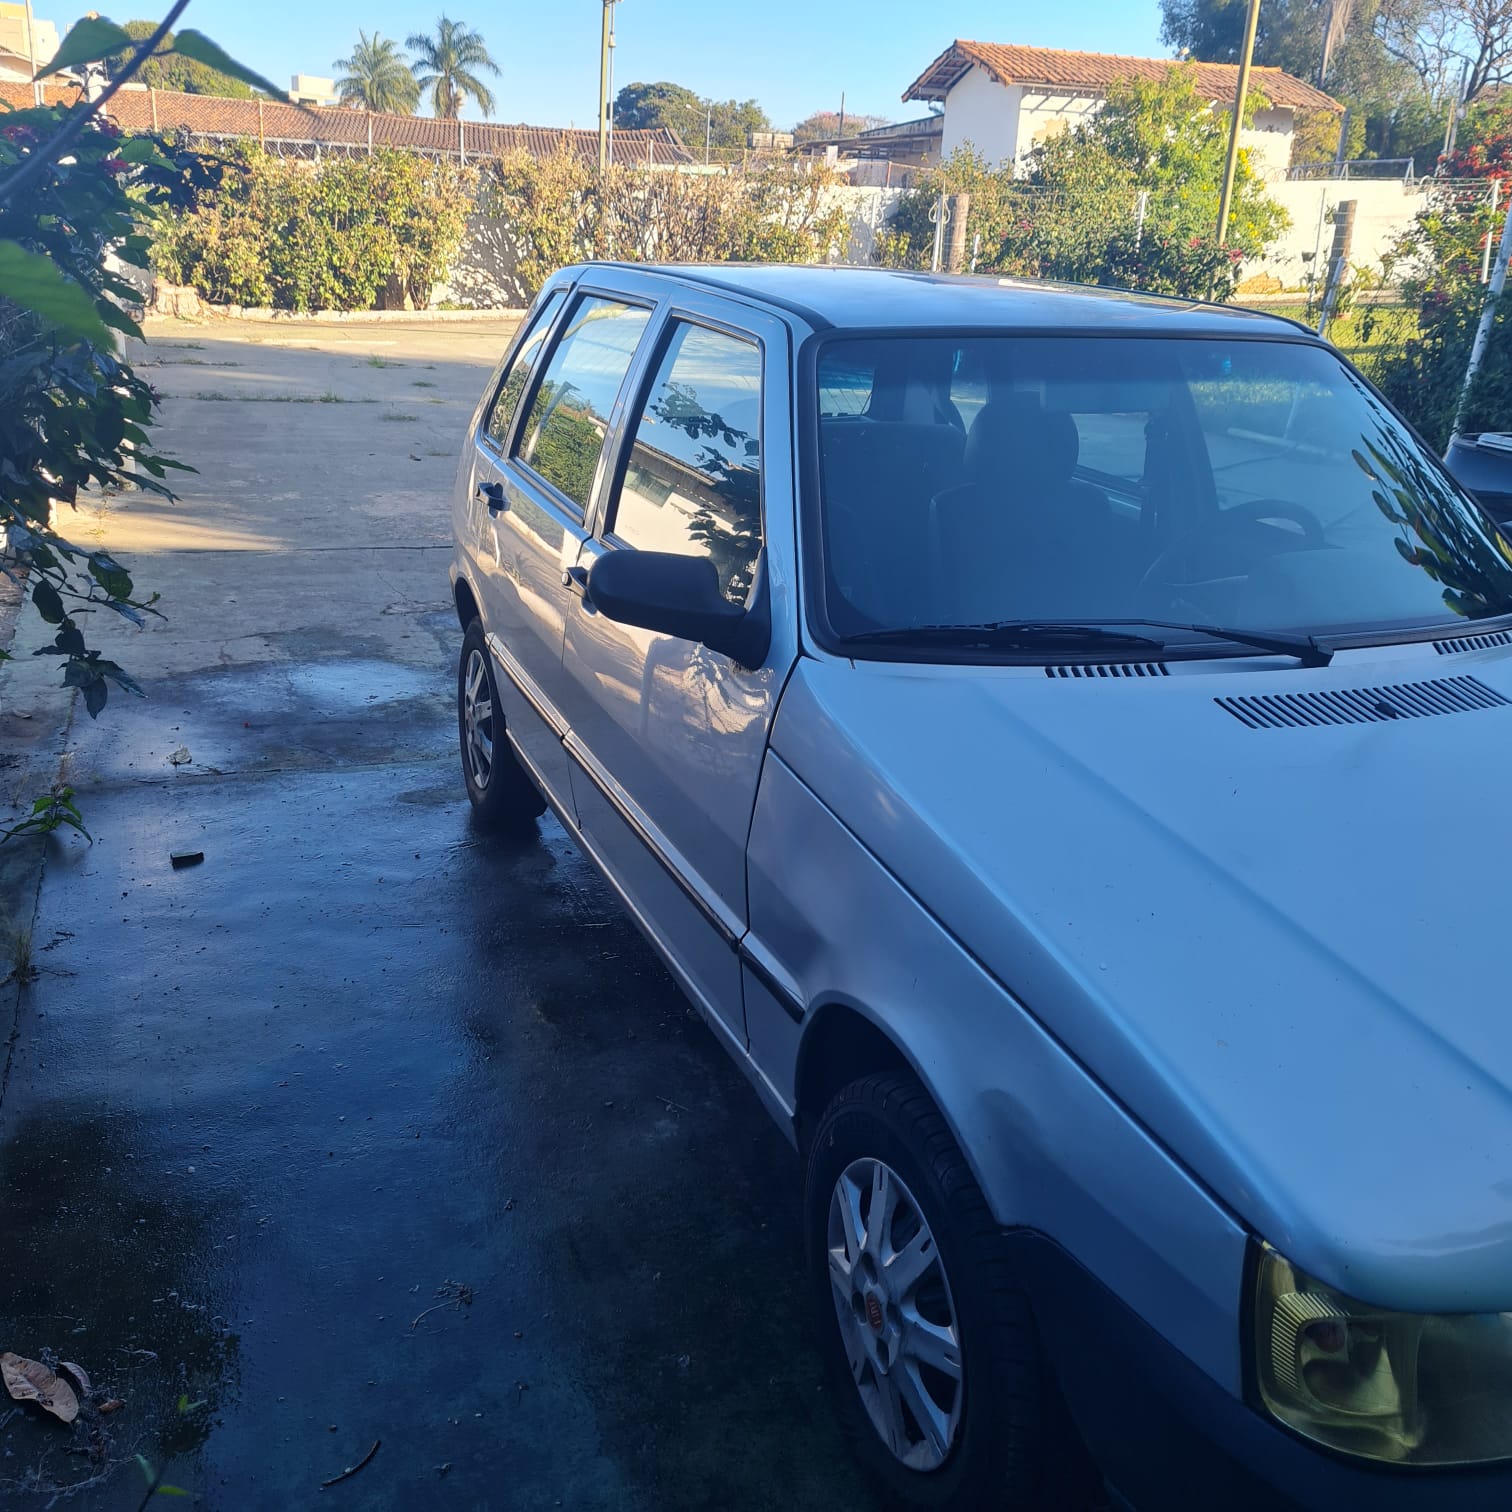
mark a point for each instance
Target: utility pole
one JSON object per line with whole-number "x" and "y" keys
{"x": 31, "y": 53}
{"x": 841, "y": 132}
{"x": 606, "y": 87}
{"x": 1231, "y": 164}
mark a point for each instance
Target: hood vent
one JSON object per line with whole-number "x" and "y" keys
{"x": 1473, "y": 642}
{"x": 1444, "y": 695}
{"x": 1108, "y": 669}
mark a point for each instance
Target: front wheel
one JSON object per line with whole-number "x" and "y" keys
{"x": 928, "y": 1339}
{"x": 502, "y": 795}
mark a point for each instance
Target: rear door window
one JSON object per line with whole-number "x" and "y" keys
{"x": 563, "y": 434}
{"x": 512, "y": 390}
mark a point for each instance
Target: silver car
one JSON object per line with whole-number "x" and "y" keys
{"x": 1057, "y": 739}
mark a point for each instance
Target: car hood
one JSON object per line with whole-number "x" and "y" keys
{"x": 1281, "y": 948}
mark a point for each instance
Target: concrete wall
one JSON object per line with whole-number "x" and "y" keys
{"x": 1384, "y": 210}
{"x": 1269, "y": 141}
{"x": 984, "y": 114}
{"x": 1043, "y": 114}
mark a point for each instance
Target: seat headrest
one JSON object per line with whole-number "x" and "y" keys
{"x": 1019, "y": 438}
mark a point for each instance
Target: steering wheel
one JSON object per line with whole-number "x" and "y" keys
{"x": 1162, "y": 573}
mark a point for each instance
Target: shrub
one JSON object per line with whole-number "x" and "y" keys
{"x": 1423, "y": 375}
{"x": 556, "y": 210}
{"x": 327, "y": 236}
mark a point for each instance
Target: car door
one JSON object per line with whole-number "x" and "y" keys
{"x": 537, "y": 471}
{"x": 668, "y": 736}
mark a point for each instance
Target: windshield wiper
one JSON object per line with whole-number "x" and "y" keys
{"x": 1089, "y": 635}
{"x": 1011, "y": 635}
{"x": 1306, "y": 648}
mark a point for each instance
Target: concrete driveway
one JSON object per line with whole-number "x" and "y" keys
{"x": 363, "y": 1129}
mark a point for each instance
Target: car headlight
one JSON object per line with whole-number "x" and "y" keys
{"x": 1411, "y": 1389}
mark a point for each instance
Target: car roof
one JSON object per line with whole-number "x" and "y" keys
{"x": 853, "y": 298}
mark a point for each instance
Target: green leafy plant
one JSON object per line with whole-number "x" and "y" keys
{"x": 558, "y": 209}
{"x": 51, "y": 812}
{"x": 75, "y": 198}
{"x": 332, "y": 236}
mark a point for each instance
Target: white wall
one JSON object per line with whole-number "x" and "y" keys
{"x": 984, "y": 114}
{"x": 1384, "y": 209}
{"x": 1043, "y": 114}
{"x": 1269, "y": 140}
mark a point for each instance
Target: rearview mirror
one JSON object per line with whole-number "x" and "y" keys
{"x": 679, "y": 595}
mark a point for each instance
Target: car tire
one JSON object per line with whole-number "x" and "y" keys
{"x": 995, "y": 1417}
{"x": 502, "y": 795}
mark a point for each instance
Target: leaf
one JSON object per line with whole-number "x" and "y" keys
{"x": 142, "y": 150}
{"x": 27, "y": 1381}
{"x": 114, "y": 315}
{"x": 87, "y": 41}
{"x": 49, "y": 604}
{"x": 171, "y": 1491}
{"x": 33, "y": 281}
{"x": 196, "y": 45}
{"x": 147, "y": 1469}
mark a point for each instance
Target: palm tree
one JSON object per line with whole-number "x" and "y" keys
{"x": 445, "y": 67}
{"x": 377, "y": 77}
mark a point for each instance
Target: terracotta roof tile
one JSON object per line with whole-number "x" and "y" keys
{"x": 274, "y": 121}
{"x": 1095, "y": 71}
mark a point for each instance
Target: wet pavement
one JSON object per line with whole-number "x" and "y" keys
{"x": 365, "y": 1127}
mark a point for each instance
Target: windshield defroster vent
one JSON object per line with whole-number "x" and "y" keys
{"x": 1473, "y": 642}
{"x": 1108, "y": 669}
{"x": 1443, "y": 695}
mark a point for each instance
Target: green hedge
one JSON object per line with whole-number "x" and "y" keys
{"x": 294, "y": 235}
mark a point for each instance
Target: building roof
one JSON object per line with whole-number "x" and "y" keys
{"x": 165, "y": 110}
{"x": 1096, "y": 71}
{"x": 853, "y": 298}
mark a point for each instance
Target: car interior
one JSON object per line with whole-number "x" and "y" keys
{"x": 963, "y": 484}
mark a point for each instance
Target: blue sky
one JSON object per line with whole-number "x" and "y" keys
{"x": 794, "y": 56}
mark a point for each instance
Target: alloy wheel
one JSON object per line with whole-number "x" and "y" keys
{"x": 477, "y": 720}
{"x": 897, "y": 1318}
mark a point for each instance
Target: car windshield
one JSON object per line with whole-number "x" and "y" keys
{"x": 1259, "y": 485}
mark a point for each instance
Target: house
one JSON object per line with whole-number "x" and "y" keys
{"x": 1005, "y": 100}
{"x": 26, "y": 42}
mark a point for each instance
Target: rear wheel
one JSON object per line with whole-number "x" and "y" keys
{"x": 502, "y": 795}
{"x": 928, "y": 1339}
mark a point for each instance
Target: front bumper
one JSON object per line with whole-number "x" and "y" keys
{"x": 1166, "y": 1435}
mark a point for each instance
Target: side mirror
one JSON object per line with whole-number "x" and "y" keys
{"x": 679, "y": 595}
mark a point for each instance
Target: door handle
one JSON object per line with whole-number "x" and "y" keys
{"x": 576, "y": 578}
{"x": 491, "y": 494}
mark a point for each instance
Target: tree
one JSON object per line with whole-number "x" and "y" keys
{"x": 727, "y": 124}
{"x": 169, "y": 70}
{"x": 824, "y": 125}
{"x": 447, "y": 63}
{"x": 652, "y": 107}
{"x": 1441, "y": 40}
{"x": 377, "y": 77}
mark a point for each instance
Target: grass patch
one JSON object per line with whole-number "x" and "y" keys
{"x": 195, "y": 362}
{"x": 421, "y": 383}
{"x": 182, "y": 346}
{"x": 397, "y": 417}
{"x": 375, "y": 361}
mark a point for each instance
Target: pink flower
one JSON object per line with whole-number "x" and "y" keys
{"x": 114, "y": 165}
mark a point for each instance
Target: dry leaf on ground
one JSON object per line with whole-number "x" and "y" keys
{"x": 28, "y": 1381}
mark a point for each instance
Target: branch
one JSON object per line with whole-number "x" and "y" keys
{"x": 33, "y": 167}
